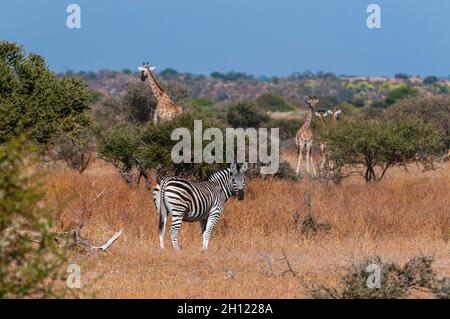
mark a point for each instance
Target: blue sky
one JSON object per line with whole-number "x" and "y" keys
{"x": 261, "y": 37}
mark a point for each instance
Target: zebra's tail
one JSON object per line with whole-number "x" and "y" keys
{"x": 158, "y": 198}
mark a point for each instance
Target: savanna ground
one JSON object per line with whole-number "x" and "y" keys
{"x": 406, "y": 215}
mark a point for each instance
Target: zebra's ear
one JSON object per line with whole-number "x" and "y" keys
{"x": 244, "y": 167}
{"x": 233, "y": 167}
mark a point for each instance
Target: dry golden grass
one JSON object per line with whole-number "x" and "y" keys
{"x": 400, "y": 218}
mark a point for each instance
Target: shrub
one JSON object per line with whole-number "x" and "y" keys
{"x": 245, "y": 115}
{"x": 272, "y": 102}
{"x": 155, "y": 147}
{"x": 37, "y": 103}
{"x": 401, "y": 92}
{"x": 380, "y": 144}
{"x": 430, "y": 80}
{"x": 395, "y": 281}
{"x": 31, "y": 262}
{"x": 119, "y": 146}
{"x": 287, "y": 127}
{"x": 434, "y": 110}
{"x": 150, "y": 148}
{"x": 286, "y": 172}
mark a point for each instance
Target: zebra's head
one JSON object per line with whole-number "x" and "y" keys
{"x": 238, "y": 179}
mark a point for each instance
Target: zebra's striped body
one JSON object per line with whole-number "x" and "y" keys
{"x": 196, "y": 202}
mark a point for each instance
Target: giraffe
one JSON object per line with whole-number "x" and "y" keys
{"x": 334, "y": 112}
{"x": 166, "y": 108}
{"x": 321, "y": 115}
{"x": 304, "y": 137}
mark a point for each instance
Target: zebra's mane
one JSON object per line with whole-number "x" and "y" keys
{"x": 218, "y": 174}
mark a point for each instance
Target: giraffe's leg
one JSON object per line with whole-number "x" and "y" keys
{"x": 175, "y": 229}
{"x": 308, "y": 150}
{"x": 210, "y": 224}
{"x": 155, "y": 117}
{"x": 299, "y": 157}
{"x": 311, "y": 159}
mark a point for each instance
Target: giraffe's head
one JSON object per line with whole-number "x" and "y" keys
{"x": 312, "y": 101}
{"x": 321, "y": 114}
{"x": 334, "y": 113}
{"x": 238, "y": 179}
{"x": 145, "y": 70}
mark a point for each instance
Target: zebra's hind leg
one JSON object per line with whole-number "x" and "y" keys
{"x": 174, "y": 230}
{"x": 210, "y": 224}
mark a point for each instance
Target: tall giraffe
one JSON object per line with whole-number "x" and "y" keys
{"x": 323, "y": 145}
{"x": 304, "y": 137}
{"x": 321, "y": 115}
{"x": 166, "y": 108}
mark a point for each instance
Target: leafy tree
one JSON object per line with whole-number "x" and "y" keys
{"x": 434, "y": 110}
{"x": 379, "y": 104}
{"x": 30, "y": 260}
{"x": 37, "y": 103}
{"x": 400, "y": 93}
{"x": 328, "y": 102}
{"x": 272, "y": 102}
{"x": 430, "y": 80}
{"x": 401, "y": 76}
{"x": 119, "y": 146}
{"x": 138, "y": 103}
{"x": 246, "y": 114}
{"x": 150, "y": 148}
{"x": 380, "y": 145}
{"x": 358, "y": 102}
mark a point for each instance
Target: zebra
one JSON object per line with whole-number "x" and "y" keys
{"x": 197, "y": 202}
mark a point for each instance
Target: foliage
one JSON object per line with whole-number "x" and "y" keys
{"x": 30, "y": 260}
{"x": 287, "y": 127}
{"x": 286, "y": 172}
{"x": 150, "y": 148}
{"x": 430, "y": 80}
{"x": 381, "y": 144}
{"x": 271, "y": 102}
{"x": 154, "y": 151}
{"x": 119, "y": 146}
{"x": 246, "y": 114}
{"x": 434, "y": 110}
{"x": 399, "y": 93}
{"x": 395, "y": 281}
{"x": 202, "y": 106}
{"x": 35, "y": 102}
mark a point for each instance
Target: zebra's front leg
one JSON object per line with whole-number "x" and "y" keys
{"x": 209, "y": 227}
{"x": 175, "y": 230}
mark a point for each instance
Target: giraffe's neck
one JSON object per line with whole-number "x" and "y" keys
{"x": 307, "y": 123}
{"x": 154, "y": 86}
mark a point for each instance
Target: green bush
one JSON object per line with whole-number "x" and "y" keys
{"x": 119, "y": 145}
{"x": 154, "y": 151}
{"x": 149, "y": 149}
{"x": 395, "y": 281}
{"x": 380, "y": 145}
{"x": 245, "y": 115}
{"x": 287, "y": 127}
{"x": 286, "y": 172}
{"x": 30, "y": 260}
{"x": 37, "y": 103}
{"x": 272, "y": 102}
{"x": 434, "y": 110}
{"x": 401, "y": 92}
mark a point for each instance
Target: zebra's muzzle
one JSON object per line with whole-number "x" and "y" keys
{"x": 240, "y": 194}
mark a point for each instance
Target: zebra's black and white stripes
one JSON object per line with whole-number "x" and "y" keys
{"x": 197, "y": 202}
